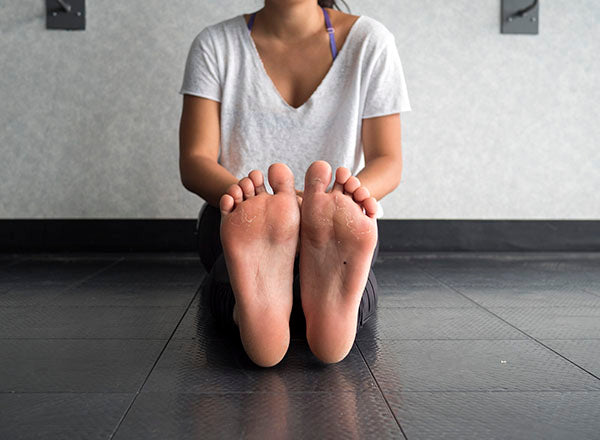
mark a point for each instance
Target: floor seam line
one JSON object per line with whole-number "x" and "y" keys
{"x": 508, "y": 323}
{"x": 17, "y": 260}
{"x": 381, "y": 391}
{"x": 137, "y": 393}
{"x": 499, "y": 391}
{"x": 591, "y": 292}
{"x": 66, "y": 286}
{"x": 89, "y": 277}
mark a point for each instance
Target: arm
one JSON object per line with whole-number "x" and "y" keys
{"x": 199, "y": 139}
{"x": 383, "y": 154}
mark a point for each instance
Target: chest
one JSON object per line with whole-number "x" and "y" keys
{"x": 296, "y": 70}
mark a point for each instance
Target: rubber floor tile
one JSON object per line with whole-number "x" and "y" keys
{"x": 498, "y": 415}
{"x": 562, "y": 296}
{"x": 477, "y": 365}
{"x": 332, "y": 415}
{"x": 78, "y": 366}
{"x": 161, "y": 256}
{"x": 198, "y": 323}
{"x": 585, "y": 353}
{"x": 551, "y": 261}
{"x": 85, "y": 294}
{"x": 61, "y": 416}
{"x": 592, "y": 287}
{"x": 182, "y": 271}
{"x": 9, "y": 259}
{"x": 495, "y": 273}
{"x": 89, "y": 322}
{"x": 554, "y": 322}
{"x": 217, "y": 366}
{"x": 61, "y": 271}
{"x": 499, "y": 277}
{"x": 436, "y": 323}
{"x": 420, "y": 296}
{"x": 508, "y": 256}
{"x": 395, "y": 274}
{"x": 23, "y": 294}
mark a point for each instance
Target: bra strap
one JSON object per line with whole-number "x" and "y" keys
{"x": 330, "y": 31}
{"x": 251, "y": 21}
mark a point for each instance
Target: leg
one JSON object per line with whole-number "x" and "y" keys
{"x": 259, "y": 233}
{"x": 207, "y": 235}
{"x": 338, "y": 240}
{"x": 219, "y": 298}
{"x": 368, "y": 302}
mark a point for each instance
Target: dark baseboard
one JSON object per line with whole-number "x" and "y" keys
{"x": 98, "y": 235}
{"x": 490, "y": 235}
{"x": 140, "y": 235}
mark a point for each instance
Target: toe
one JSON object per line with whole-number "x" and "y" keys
{"x": 370, "y": 205}
{"x": 341, "y": 176}
{"x": 351, "y": 185}
{"x": 258, "y": 180}
{"x": 361, "y": 194}
{"x": 281, "y": 178}
{"x": 247, "y": 187}
{"x": 226, "y": 204}
{"x": 236, "y": 193}
{"x": 317, "y": 177}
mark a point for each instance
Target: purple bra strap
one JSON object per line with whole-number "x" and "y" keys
{"x": 330, "y": 30}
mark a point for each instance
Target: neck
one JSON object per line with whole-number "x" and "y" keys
{"x": 290, "y": 21}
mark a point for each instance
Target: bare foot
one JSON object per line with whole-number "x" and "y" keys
{"x": 259, "y": 233}
{"x": 337, "y": 241}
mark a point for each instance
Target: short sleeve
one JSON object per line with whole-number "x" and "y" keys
{"x": 201, "y": 76}
{"x": 386, "y": 86}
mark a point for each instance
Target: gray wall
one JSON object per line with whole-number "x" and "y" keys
{"x": 502, "y": 127}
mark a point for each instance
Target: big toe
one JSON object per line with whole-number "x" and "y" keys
{"x": 317, "y": 177}
{"x": 281, "y": 178}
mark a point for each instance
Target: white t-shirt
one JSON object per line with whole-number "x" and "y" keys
{"x": 258, "y": 127}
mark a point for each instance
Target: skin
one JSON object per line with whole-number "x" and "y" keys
{"x": 294, "y": 49}
{"x": 278, "y": 29}
{"x": 338, "y": 232}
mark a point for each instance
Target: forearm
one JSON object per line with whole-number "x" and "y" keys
{"x": 206, "y": 178}
{"x": 381, "y": 175}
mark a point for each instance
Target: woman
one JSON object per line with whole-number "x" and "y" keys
{"x": 298, "y": 86}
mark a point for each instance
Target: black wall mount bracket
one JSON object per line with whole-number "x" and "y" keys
{"x": 65, "y": 14}
{"x": 520, "y": 16}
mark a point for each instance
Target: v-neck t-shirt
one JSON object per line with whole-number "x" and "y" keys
{"x": 259, "y": 128}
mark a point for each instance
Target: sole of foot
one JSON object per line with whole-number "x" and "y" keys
{"x": 259, "y": 233}
{"x": 338, "y": 235}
